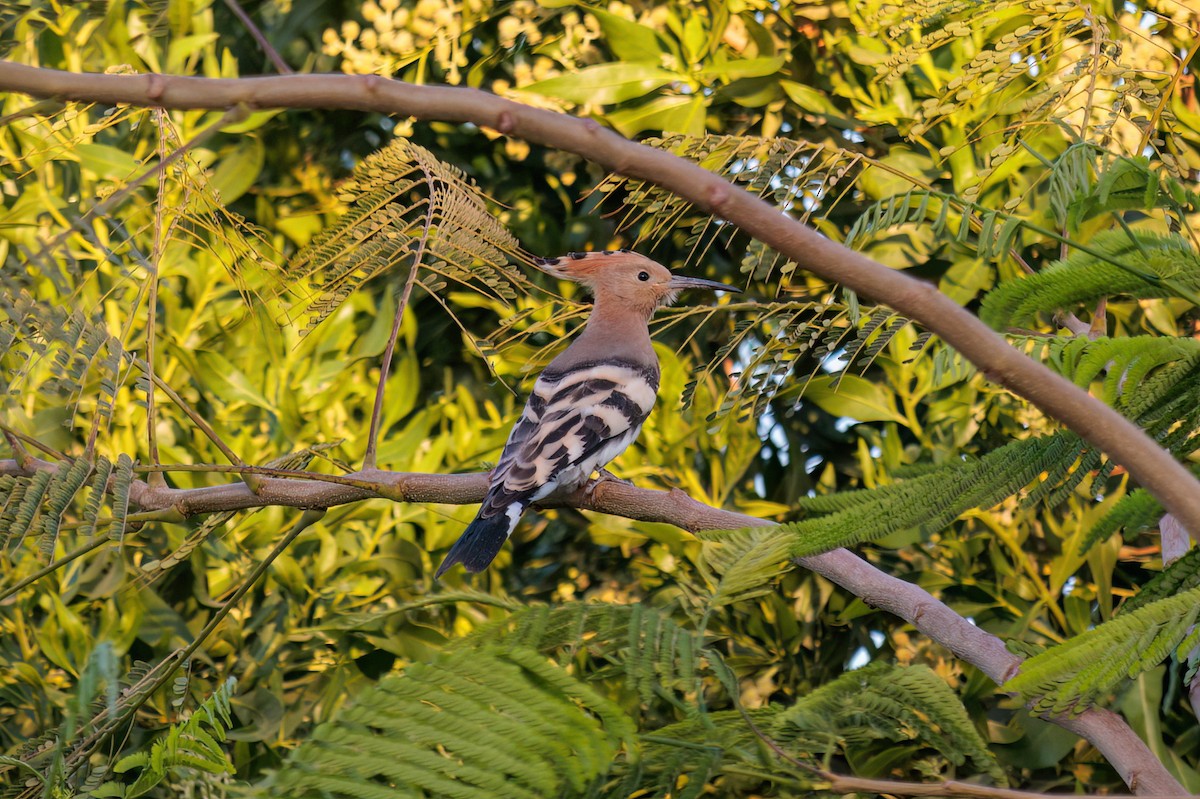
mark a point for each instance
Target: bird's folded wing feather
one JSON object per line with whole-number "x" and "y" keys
{"x": 569, "y": 419}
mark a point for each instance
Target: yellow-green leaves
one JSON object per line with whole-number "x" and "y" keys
{"x": 605, "y": 84}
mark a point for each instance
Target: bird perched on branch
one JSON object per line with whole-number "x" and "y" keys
{"x": 589, "y": 403}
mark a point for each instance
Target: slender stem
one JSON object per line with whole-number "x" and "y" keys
{"x": 156, "y": 478}
{"x": 840, "y": 784}
{"x": 266, "y": 471}
{"x": 369, "y": 459}
{"x": 280, "y": 65}
{"x": 190, "y": 412}
{"x": 31, "y": 441}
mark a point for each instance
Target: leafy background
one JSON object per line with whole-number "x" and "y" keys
{"x": 972, "y": 149}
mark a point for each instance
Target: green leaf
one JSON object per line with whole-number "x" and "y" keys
{"x": 629, "y": 40}
{"x": 965, "y": 278}
{"x": 253, "y": 121}
{"x": 740, "y": 68}
{"x": 238, "y": 171}
{"x": 604, "y": 84}
{"x": 807, "y": 97}
{"x": 854, "y": 397}
{"x": 230, "y": 383}
{"x": 106, "y": 162}
{"x": 879, "y": 182}
{"x": 671, "y": 114}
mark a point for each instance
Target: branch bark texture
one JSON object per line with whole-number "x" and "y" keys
{"x": 1152, "y": 466}
{"x": 1173, "y": 485}
{"x": 1105, "y": 730}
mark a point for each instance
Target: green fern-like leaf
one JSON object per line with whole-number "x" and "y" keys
{"x": 885, "y": 702}
{"x": 95, "y": 500}
{"x": 1181, "y": 577}
{"x": 931, "y": 501}
{"x": 194, "y": 743}
{"x": 405, "y": 207}
{"x": 69, "y": 477}
{"x": 1077, "y": 673}
{"x": 743, "y": 564}
{"x": 474, "y": 723}
{"x": 643, "y": 644}
{"x": 122, "y": 482}
{"x": 1151, "y": 265}
{"x": 1135, "y": 511}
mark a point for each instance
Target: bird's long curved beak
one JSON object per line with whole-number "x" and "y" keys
{"x": 681, "y": 283}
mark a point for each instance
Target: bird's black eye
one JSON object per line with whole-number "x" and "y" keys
{"x": 643, "y": 276}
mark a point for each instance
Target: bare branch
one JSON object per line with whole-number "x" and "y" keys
{"x": 1173, "y": 485}
{"x": 1106, "y": 429}
{"x": 1106, "y": 730}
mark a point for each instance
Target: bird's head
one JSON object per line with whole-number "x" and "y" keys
{"x": 625, "y": 277}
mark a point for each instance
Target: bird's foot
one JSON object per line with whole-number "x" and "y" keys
{"x": 605, "y": 477}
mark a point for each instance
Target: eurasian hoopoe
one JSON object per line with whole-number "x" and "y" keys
{"x": 589, "y": 403}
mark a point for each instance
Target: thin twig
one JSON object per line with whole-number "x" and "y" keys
{"x": 191, "y": 413}
{"x": 841, "y": 784}
{"x": 280, "y": 65}
{"x": 53, "y": 566}
{"x": 156, "y": 478}
{"x": 369, "y": 459}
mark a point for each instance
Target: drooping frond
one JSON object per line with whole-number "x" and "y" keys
{"x": 927, "y": 502}
{"x": 643, "y": 644}
{"x": 405, "y": 208}
{"x": 53, "y": 351}
{"x": 493, "y": 715}
{"x": 37, "y": 504}
{"x": 68, "y": 478}
{"x": 744, "y": 564}
{"x": 881, "y": 701}
{"x": 1150, "y": 265}
{"x": 474, "y": 723}
{"x": 1079, "y": 672}
{"x": 947, "y": 218}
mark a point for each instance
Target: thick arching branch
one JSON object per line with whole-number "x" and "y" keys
{"x": 1107, "y": 731}
{"x": 1153, "y": 467}
{"x": 1172, "y": 484}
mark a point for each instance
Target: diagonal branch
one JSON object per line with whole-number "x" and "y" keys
{"x": 270, "y": 52}
{"x": 1106, "y": 730}
{"x": 1106, "y": 429}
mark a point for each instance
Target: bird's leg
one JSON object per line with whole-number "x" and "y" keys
{"x": 605, "y": 477}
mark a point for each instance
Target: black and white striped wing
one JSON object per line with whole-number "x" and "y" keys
{"x": 575, "y": 422}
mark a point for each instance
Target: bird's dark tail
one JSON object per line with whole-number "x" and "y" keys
{"x": 481, "y": 541}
